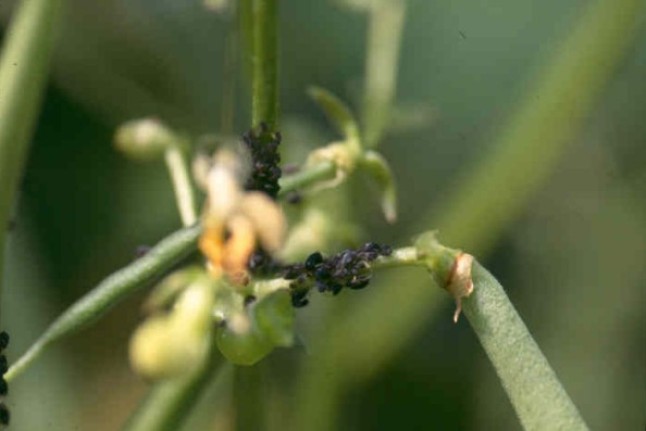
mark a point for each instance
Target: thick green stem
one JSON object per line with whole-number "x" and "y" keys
{"x": 264, "y": 103}
{"x": 168, "y": 403}
{"x": 110, "y": 291}
{"x": 490, "y": 195}
{"x": 178, "y": 170}
{"x": 538, "y": 398}
{"x": 23, "y": 74}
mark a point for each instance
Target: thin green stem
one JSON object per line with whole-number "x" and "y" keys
{"x": 264, "y": 103}
{"x": 168, "y": 403}
{"x": 178, "y": 169}
{"x": 532, "y": 386}
{"x": 321, "y": 172}
{"x": 109, "y": 292}
{"x": 386, "y": 25}
{"x": 24, "y": 68}
{"x": 405, "y": 256}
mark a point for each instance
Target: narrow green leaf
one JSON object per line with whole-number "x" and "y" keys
{"x": 23, "y": 74}
{"x": 110, "y": 291}
{"x": 337, "y": 112}
{"x": 375, "y": 165}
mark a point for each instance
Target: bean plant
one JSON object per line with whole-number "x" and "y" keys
{"x": 228, "y": 284}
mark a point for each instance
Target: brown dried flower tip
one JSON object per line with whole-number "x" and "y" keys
{"x": 460, "y": 283}
{"x": 236, "y": 222}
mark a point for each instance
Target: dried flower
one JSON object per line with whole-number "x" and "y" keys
{"x": 236, "y": 221}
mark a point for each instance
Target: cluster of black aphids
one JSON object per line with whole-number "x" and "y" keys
{"x": 263, "y": 148}
{"x": 349, "y": 268}
{"x": 4, "y": 389}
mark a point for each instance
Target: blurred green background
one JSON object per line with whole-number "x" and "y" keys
{"x": 572, "y": 261}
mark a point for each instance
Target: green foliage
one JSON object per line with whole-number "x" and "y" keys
{"x": 352, "y": 341}
{"x": 23, "y": 73}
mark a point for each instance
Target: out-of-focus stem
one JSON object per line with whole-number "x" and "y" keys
{"x": 24, "y": 68}
{"x": 386, "y": 25}
{"x": 178, "y": 169}
{"x": 168, "y": 403}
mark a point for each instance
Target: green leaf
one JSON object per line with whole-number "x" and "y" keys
{"x": 274, "y": 316}
{"x": 243, "y": 348}
{"x": 337, "y": 112}
{"x": 375, "y": 165}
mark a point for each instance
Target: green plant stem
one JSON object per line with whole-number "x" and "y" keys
{"x": 385, "y": 28}
{"x": 264, "y": 102}
{"x": 168, "y": 403}
{"x": 110, "y": 291}
{"x": 321, "y": 172}
{"x": 538, "y": 398}
{"x": 24, "y": 68}
{"x": 178, "y": 169}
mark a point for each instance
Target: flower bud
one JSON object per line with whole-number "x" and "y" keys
{"x": 173, "y": 344}
{"x": 144, "y": 139}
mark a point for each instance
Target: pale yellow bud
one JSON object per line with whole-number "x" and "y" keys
{"x": 174, "y": 344}
{"x": 144, "y": 139}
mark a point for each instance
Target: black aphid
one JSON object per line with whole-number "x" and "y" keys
{"x": 349, "y": 268}
{"x": 265, "y": 171}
